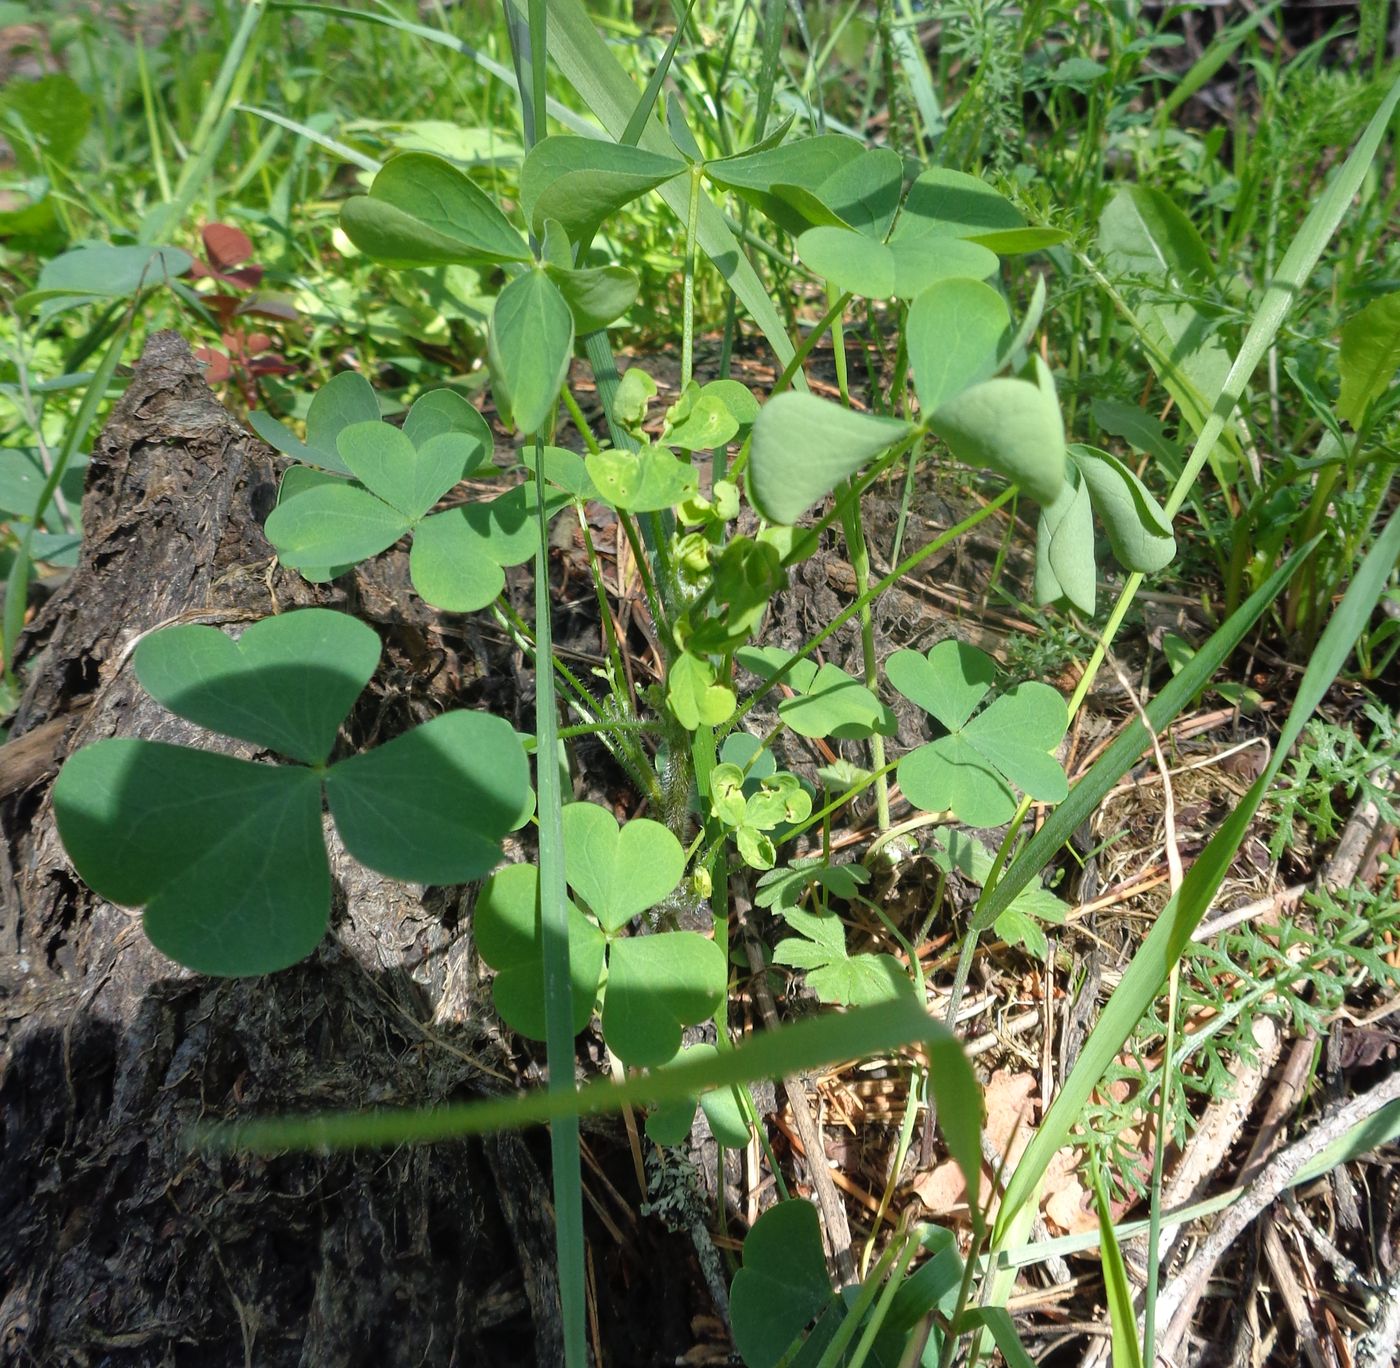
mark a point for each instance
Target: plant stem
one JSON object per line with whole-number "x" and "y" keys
{"x": 688, "y": 287}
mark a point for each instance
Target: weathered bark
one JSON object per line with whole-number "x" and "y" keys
{"x": 118, "y": 1246}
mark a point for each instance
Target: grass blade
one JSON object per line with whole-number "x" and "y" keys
{"x": 633, "y": 132}
{"x": 1127, "y": 1352}
{"x": 804, "y": 1047}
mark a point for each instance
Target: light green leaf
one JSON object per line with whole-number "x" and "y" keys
{"x": 1065, "y": 568}
{"x": 782, "y": 183}
{"x": 950, "y": 775}
{"x": 619, "y": 873}
{"x": 580, "y": 182}
{"x": 1012, "y": 426}
{"x": 954, "y": 332}
{"x": 507, "y": 525}
{"x": 923, "y": 261}
{"x": 701, "y": 420}
{"x": 530, "y": 344}
{"x": 1017, "y": 732}
{"x": 287, "y": 683}
{"x": 106, "y": 272}
{"x": 803, "y": 447}
{"x": 344, "y": 400}
{"x": 597, "y": 296}
{"x": 865, "y": 191}
{"x": 849, "y": 261}
{"x": 332, "y": 524}
{"x": 826, "y": 702}
{"x": 1138, "y": 530}
{"x": 505, "y": 923}
{"x": 422, "y": 211}
{"x": 658, "y": 985}
{"x": 444, "y": 410}
{"x": 951, "y": 203}
{"x": 670, "y": 1124}
{"x": 450, "y": 564}
{"x": 432, "y": 805}
{"x": 159, "y": 826}
{"x": 409, "y": 479}
{"x": 1369, "y": 356}
{"x": 783, "y": 1285}
{"x": 948, "y": 683}
{"x": 644, "y": 481}
{"x": 694, "y": 695}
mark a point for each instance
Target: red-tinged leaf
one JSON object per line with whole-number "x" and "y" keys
{"x": 253, "y": 343}
{"x": 226, "y": 246}
{"x": 220, "y": 368}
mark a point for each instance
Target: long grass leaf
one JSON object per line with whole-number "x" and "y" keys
{"x": 1127, "y": 1352}
{"x": 633, "y": 132}
{"x": 804, "y": 1047}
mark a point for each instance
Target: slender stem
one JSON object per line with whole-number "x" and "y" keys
{"x": 692, "y": 223}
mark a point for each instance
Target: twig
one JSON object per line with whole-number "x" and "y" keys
{"x": 1180, "y": 1298}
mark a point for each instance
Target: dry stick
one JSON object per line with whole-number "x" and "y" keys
{"x": 1179, "y": 1301}
{"x": 833, "y": 1209}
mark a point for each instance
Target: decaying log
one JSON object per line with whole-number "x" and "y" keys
{"x": 118, "y": 1246}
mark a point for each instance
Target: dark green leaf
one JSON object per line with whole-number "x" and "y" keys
{"x": 432, "y": 805}
{"x": 163, "y": 827}
{"x": 531, "y": 342}
{"x": 287, "y": 683}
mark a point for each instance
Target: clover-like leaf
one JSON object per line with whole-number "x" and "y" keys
{"x": 443, "y": 410}
{"x": 921, "y": 262}
{"x": 849, "y": 261}
{"x": 596, "y": 296}
{"x": 1011, "y": 425}
{"x": 451, "y": 566}
{"x": 971, "y": 770}
{"x": 955, "y": 329}
{"x": 226, "y": 856}
{"x": 644, "y": 481}
{"x": 947, "y": 203}
{"x": 670, "y": 1123}
{"x": 287, "y": 683}
{"x": 782, "y": 182}
{"x": 865, "y": 191}
{"x": 331, "y": 525}
{"x": 803, "y": 447}
{"x": 579, "y": 182}
{"x": 783, "y": 1284}
{"x": 1138, "y": 530}
{"x": 345, "y": 399}
{"x": 701, "y": 419}
{"x": 409, "y": 478}
{"x": 505, "y": 923}
{"x": 1065, "y": 568}
{"x": 422, "y": 211}
{"x": 619, "y": 873}
{"x": 657, "y": 985}
{"x": 432, "y": 805}
{"x": 530, "y": 343}
{"x": 695, "y": 696}
{"x": 826, "y": 700}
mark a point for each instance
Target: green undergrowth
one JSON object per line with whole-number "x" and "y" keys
{"x": 1146, "y": 349}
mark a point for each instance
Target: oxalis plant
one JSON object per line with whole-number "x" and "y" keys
{"x": 589, "y": 932}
